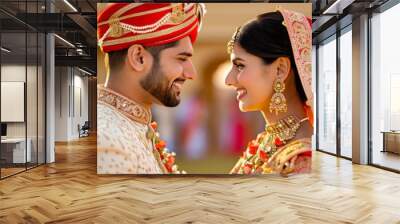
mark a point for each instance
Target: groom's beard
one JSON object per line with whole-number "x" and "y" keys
{"x": 156, "y": 83}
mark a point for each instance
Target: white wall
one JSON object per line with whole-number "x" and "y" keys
{"x": 61, "y": 103}
{"x": 33, "y": 127}
{"x": 71, "y": 93}
{"x": 82, "y": 83}
{"x": 15, "y": 73}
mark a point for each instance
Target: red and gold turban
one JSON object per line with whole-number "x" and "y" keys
{"x": 121, "y": 25}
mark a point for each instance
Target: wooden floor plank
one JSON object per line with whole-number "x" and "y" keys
{"x": 70, "y": 191}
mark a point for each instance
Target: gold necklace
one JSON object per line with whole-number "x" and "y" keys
{"x": 260, "y": 150}
{"x": 286, "y": 128}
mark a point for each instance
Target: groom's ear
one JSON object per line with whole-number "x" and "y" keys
{"x": 138, "y": 58}
{"x": 283, "y": 67}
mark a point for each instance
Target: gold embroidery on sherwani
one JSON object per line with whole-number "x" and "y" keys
{"x": 124, "y": 105}
{"x": 122, "y": 145}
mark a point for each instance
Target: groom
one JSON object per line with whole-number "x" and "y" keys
{"x": 149, "y": 48}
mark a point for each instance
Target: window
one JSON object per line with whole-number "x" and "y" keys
{"x": 385, "y": 89}
{"x": 327, "y": 96}
{"x": 346, "y": 93}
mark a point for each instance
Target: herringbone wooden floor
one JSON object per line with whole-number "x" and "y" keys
{"x": 70, "y": 191}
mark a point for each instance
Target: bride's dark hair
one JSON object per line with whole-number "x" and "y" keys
{"x": 266, "y": 37}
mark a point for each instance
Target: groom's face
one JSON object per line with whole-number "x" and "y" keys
{"x": 169, "y": 71}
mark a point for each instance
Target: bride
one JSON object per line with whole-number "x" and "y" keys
{"x": 271, "y": 72}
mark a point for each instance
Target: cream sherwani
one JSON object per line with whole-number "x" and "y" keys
{"x": 122, "y": 143}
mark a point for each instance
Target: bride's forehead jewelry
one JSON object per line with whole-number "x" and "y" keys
{"x": 231, "y": 43}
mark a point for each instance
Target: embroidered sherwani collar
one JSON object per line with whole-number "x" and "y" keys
{"x": 122, "y": 104}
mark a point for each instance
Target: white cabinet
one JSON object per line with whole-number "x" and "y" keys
{"x": 18, "y": 149}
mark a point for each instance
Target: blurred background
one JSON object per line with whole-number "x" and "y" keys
{"x": 207, "y": 130}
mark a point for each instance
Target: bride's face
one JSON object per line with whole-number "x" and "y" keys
{"x": 251, "y": 78}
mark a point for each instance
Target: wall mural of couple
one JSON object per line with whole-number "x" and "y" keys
{"x": 149, "y": 48}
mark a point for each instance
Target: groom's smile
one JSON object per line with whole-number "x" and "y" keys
{"x": 178, "y": 84}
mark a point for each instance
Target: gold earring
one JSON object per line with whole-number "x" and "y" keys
{"x": 278, "y": 100}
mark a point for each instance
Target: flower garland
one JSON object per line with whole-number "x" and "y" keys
{"x": 259, "y": 151}
{"x": 167, "y": 158}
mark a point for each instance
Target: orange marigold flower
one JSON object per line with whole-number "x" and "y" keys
{"x": 247, "y": 168}
{"x": 170, "y": 160}
{"x": 169, "y": 168}
{"x": 160, "y": 145}
{"x": 278, "y": 142}
{"x": 263, "y": 155}
{"x": 252, "y": 147}
{"x": 154, "y": 125}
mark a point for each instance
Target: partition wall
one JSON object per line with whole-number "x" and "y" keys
{"x": 23, "y": 86}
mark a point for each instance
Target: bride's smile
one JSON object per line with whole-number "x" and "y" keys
{"x": 241, "y": 92}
